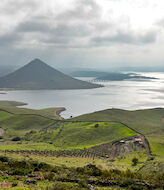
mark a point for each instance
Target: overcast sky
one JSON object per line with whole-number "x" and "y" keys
{"x": 82, "y": 33}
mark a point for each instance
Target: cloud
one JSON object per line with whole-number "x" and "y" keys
{"x": 79, "y": 26}
{"x": 84, "y": 10}
{"x": 11, "y": 7}
{"x": 160, "y": 23}
{"x": 73, "y": 27}
{"x": 127, "y": 38}
{"x": 9, "y": 39}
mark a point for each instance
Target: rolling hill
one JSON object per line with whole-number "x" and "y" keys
{"x": 37, "y": 75}
{"x": 63, "y": 135}
{"x": 149, "y": 122}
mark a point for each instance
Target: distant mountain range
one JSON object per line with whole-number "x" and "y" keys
{"x": 37, "y": 75}
{"x": 110, "y": 76}
{"x": 88, "y": 73}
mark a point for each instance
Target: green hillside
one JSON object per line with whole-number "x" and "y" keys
{"x": 84, "y": 135}
{"x": 108, "y": 144}
{"x": 18, "y": 125}
{"x": 11, "y": 106}
{"x": 63, "y": 135}
{"x": 148, "y": 122}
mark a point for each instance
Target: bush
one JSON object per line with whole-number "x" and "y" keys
{"x": 136, "y": 187}
{"x": 92, "y": 170}
{"x": 83, "y": 183}
{"x": 16, "y": 139}
{"x": 134, "y": 161}
{"x": 96, "y": 125}
{"x": 19, "y": 172}
{"x": 63, "y": 186}
{"x": 4, "y": 159}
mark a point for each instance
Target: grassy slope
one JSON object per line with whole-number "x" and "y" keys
{"x": 148, "y": 122}
{"x": 18, "y": 125}
{"x": 84, "y": 135}
{"x": 10, "y": 106}
{"x": 63, "y": 135}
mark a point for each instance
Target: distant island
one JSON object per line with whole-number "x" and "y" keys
{"x": 110, "y": 76}
{"x": 37, "y": 75}
{"x": 123, "y": 76}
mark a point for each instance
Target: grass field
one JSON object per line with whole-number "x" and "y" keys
{"x": 11, "y": 106}
{"x": 148, "y": 122}
{"x": 83, "y": 135}
{"x": 63, "y": 135}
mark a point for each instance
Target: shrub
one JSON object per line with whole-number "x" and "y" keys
{"x": 63, "y": 186}
{"x": 134, "y": 161}
{"x": 16, "y": 139}
{"x": 92, "y": 169}
{"x": 19, "y": 172}
{"x": 4, "y": 159}
{"x": 96, "y": 125}
{"x": 83, "y": 183}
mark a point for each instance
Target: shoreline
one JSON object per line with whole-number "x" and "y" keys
{"x": 58, "y": 112}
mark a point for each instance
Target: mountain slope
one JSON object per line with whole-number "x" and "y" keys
{"x": 38, "y": 75}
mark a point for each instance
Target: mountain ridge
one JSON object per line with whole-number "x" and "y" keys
{"x": 38, "y": 75}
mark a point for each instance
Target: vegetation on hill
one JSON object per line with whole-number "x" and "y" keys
{"x": 11, "y": 107}
{"x": 32, "y": 174}
{"x": 65, "y": 135}
{"x": 98, "y": 150}
{"x": 148, "y": 122}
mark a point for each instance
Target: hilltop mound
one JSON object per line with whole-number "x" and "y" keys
{"x": 37, "y": 75}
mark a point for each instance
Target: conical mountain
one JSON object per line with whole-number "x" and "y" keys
{"x": 37, "y": 75}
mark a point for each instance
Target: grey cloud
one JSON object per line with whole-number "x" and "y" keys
{"x": 84, "y": 10}
{"x": 128, "y": 38}
{"x": 9, "y": 39}
{"x": 36, "y": 26}
{"x": 12, "y": 6}
{"x": 33, "y": 26}
{"x": 78, "y": 28}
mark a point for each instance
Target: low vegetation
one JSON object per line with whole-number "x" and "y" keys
{"x": 148, "y": 122}
{"x": 31, "y": 174}
{"x": 39, "y": 151}
{"x": 12, "y": 107}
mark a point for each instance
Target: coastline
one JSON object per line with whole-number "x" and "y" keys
{"x": 58, "y": 112}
